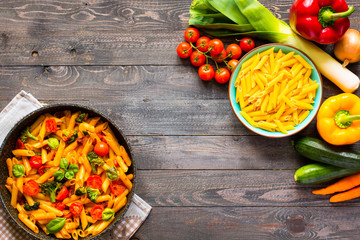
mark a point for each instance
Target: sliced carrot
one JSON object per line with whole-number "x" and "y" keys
{"x": 344, "y": 184}
{"x": 344, "y": 196}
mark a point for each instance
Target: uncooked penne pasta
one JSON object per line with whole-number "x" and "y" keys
{"x": 275, "y": 84}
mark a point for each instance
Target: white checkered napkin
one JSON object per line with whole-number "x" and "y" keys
{"x": 21, "y": 105}
{"x": 134, "y": 217}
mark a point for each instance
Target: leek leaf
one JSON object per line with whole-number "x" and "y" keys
{"x": 250, "y": 17}
{"x": 230, "y": 10}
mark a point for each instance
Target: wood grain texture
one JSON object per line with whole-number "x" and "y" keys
{"x": 213, "y": 152}
{"x": 268, "y": 223}
{"x": 117, "y": 83}
{"x": 239, "y": 188}
{"x": 174, "y": 117}
{"x": 138, "y": 98}
{"x": 101, "y": 33}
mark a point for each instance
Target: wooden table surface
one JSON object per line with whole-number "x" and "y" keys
{"x": 204, "y": 173}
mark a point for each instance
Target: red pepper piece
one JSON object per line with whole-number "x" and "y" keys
{"x": 19, "y": 144}
{"x": 322, "y": 21}
{"x": 50, "y": 125}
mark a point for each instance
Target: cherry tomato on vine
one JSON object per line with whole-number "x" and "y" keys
{"x": 202, "y": 44}
{"x": 232, "y": 64}
{"x": 206, "y": 72}
{"x": 31, "y": 188}
{"x": 234, "y": 51}
{"x": 247, "y": 44}
{"x": 35, "y": 161}
{"x": 101, "y": 149}
{"x": 221, "y": 56}
{"x": 184, "y": 50}
{"x": 222, "y": 75}
{"x": 191, "y": 35}
{"x": 197, "y": 59}
{"x": 76, "y": 208}
{"x": 215, "y": 47}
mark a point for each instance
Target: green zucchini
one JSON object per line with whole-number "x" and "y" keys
{"x": 319, "y": 172}
{"x": 320, "y": 151}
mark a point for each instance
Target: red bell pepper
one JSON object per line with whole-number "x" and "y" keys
{"x": 322, "y": 21}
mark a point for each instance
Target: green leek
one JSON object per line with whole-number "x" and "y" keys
{"x": 251, "y": 18}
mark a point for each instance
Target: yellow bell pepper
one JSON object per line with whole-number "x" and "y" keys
{"x": 337, "y": 119}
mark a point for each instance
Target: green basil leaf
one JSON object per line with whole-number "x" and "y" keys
{"x": 73, "y": 167}
{"x": 53, "y": 143}
{"x": 18, "y": 170}
{"x": 108, "y": 214}
{"x": 64, "y": 163}
{"x": 69, "y": 174}
{"x": 59, "y": 175}
{"x": 111, "y": 173}
{"x": 55, "y": 225}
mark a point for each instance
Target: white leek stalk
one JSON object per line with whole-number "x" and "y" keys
{"x": 328, "y": 66}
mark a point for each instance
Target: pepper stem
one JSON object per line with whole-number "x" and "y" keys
{"x": 343, "y": 119}
{"x": 327, "y": 15}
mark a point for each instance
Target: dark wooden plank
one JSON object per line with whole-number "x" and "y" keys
{"x": 214, "y": 152}
{"x": 237, "y": 188}
{"x": 116, "y": 83}
{"x": 138, "y": 98}
{"x": 265, "y": 223}
{"x": 101, "y": 33}
{"x": 174, "y": 117}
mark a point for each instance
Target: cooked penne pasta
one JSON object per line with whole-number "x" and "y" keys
{"x": 69, "y": 161}
{"x": 25, "y": 219}
{"x": 23, "y": 153}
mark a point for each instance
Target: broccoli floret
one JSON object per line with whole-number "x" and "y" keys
{"x": 94, "y": 160}
{"x": 80, "y": 118}
{"x": 72, "y": 138}
{"x": 27, "y": 207}
{"x": 80, "y": 191}
{"x": 92, "y": 194}
{"x": 51, "y": 188}
{"x": 92, "y": 155}
{"x": 25, "y": 134}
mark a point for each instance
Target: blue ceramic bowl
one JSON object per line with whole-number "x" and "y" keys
{"x": 315, "y": 75}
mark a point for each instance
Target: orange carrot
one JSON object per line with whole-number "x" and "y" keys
{"x": 344, "y": 196}
{"x": 344, "y": 184}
